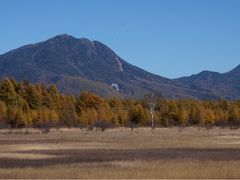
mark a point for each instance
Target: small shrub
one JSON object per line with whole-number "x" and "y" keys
{"x": 102, "y": 124}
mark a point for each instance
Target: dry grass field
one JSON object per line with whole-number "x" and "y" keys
{"x": 120, "y": 153}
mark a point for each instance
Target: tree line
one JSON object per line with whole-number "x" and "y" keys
{"x": 36, "y": 105}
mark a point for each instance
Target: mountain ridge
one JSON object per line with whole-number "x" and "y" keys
{"x": 224, "y": 85}
{"x": 77, "y": 64}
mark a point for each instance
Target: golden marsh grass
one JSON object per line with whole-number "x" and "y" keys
{"x": 120, "y": 153}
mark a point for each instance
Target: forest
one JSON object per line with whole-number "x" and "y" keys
{"x": 40, "y": 106}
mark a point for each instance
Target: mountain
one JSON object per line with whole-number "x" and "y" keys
{"x": 225, "y": 85}
{"x": 76, "y": 65}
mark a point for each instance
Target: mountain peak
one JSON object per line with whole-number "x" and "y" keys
{"x": 236, "y": 70}
{"x": 77, "y": 64}
{"x": 206, "y": 73}
{"x": 65, "y": 37}
{"x": 62, "y": 38}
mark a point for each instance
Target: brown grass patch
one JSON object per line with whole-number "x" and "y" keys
{"x": 120, "y": 153}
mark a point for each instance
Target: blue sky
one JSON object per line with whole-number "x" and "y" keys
{"x": 171, "y": 38}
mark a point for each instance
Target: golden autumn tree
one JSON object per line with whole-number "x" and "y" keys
{"x": 3, "y": 114}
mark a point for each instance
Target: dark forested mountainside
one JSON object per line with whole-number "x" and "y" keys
{"x": 225, "y": 85}
{"x": 75, "y": 65}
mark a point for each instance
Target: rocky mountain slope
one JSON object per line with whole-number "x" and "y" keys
{"x": 225, "y": 85}
{"x": 76, "y": 65}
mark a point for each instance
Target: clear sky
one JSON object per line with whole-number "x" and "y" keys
{"x": 171, "y": 38}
